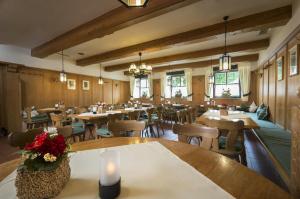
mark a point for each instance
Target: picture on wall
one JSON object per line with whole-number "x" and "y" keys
{"x": 71, "y": 84}
{"x": 85, "y": 85}
{"x": 279, "y": 69}
{"x": 293, "y": 62}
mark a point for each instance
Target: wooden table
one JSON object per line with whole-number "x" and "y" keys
{"x": 233, "y": 177}
{"x": 49, "y": 110}
{"x": 248, "y": 122}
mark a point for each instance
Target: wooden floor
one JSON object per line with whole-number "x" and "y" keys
{"x": 257, "y": 157}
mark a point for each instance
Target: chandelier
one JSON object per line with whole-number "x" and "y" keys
{"x": 225, "y": 60}
{"x": 62, "y": 75}
{"x": 141, "y": 70}
{"x": 134, "y": 3}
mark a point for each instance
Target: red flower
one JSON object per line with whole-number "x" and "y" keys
{"x": 37, "y": 142}
{"x": 44, "y": 144}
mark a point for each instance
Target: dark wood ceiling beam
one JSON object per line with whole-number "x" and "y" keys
{"x": 252, "y": 45}
{"x": 267, "y": 19}
{"x": 201, "y": 64}
{"x": 108, "y": 23}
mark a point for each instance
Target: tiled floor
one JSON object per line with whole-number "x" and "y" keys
{"x": 257, "y": 157}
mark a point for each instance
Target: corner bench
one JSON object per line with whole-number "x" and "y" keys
{"x": 277, "y": 142}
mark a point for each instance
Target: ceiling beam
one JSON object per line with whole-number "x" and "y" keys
{"x": 267, "y": 19}
{"x": 201, "y": 64}
{"x": 108, "y": 23}
{"x": 252, "y": 45}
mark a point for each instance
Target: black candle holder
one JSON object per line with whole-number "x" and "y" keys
{"x": 110, "y": 192}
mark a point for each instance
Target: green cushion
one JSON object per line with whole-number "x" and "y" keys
{"x": 263, "y": 113}
{"x": 78, "y": 130}
{"x": 103, "y": 132}
{"x": 222, "y": 144}
{"x": 39, "y": 118}
{"x": 77, "y": 124}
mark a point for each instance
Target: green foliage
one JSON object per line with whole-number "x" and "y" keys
{"x": 220, "y": 78}
{"x": 233, "y": 77}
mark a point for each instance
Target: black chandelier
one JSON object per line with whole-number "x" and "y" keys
{"x": 140, "y": 70}
{"x": 134, "y": 3}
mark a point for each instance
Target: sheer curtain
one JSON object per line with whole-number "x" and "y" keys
{"x": 245, "y": 75}
{"x": 163, "y": 84}
{"x": 208, "y": 86}
{"x": 188, "y": 77}
{"x": 132, "y": 86}
{"x": 150, "y": 86}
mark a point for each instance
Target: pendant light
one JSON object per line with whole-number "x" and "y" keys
{"x": 211, "y": 78}
{"x": 62, "y": 75}
{"x": 134, "y": 3}
{"x": 100, "y": 81}
{"x": 225, "y": 60}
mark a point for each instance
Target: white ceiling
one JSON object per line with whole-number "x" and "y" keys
{"x": 28, "y": 23}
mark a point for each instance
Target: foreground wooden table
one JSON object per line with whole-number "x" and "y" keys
{"x": 233, "y": 177}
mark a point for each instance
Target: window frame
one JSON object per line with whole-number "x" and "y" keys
{"x": 140, "y": 87}
{"x": 173, "y": 76}
{"x": 226, "y": 72}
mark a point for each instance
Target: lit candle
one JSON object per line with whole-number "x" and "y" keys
{"x": 109, "y": 168}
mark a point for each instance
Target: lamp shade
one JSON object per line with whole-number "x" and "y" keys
{"x": 62, "y": 77}
{"x": 134, "y": 3}
{"x": 225, "y": 62}
{"x": 100, "y": 81}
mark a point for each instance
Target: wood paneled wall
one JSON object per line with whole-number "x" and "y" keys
{"x": 41, "y": 88}
{"x": 281, "y": 95}
{"x": 22, "y": 87}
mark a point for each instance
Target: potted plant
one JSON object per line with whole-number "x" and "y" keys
{"x": 45, "y": 169}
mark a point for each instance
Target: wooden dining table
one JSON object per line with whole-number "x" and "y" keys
{"x": 236, "y": 179}
{"x": 249, "y": 123}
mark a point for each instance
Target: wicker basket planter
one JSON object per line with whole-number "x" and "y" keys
{"x": 42, "y": 184}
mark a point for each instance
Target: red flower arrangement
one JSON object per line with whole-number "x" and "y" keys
{"x": 45, "y": 152}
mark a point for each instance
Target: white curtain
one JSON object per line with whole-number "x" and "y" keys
{"x": 245, "y": 75}
{"x": 150, "y": 85}
{"x": 188, "y": 77}
{"x": 208, "y": 86}
{"x": 132, "y": 86}
{"x": 163, "y": 84}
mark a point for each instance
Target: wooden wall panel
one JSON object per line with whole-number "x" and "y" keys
{"x": 293, "y": 83}
{"x": 85, "y": 97}
{"x": 97, "y": 91}
{"x": 124, "y": 92}
{"x": 266, "y": 86}
{"x": 156, "y": 91}
{"x": 107, "y": 91}
{"x": 260, "y": 87}
{"x": 13, "y": 101}
{"x": 2, "y": 102}
{"x": 281, "y": 92}
{"x": 272, "y": 90}
{"x": 116, "y": 92}
{"x": 198, "y": 87}
{"x": 53, "y": 89}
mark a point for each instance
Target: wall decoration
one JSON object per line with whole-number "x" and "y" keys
{"x": 85, "y": 85}
{"x": 279, "y": 68}
{"x": 71, "y": 84}
{"x": 293, "y": 61}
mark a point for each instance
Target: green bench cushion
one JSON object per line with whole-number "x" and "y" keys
{"x": 103, "y": 132}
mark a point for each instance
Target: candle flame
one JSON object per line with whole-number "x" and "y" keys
{"x": 111, "y": 168}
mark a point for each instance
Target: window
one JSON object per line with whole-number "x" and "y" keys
{"x": 227, "y": 84}
{"x": 176, "y": 82}
{"x": 141, "y": 88}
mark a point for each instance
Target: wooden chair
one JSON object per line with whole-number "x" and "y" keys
{"x": 57, "y": 119}
{"x": 133, "y": 115}
{"x": 66, "y": 131}
{"x": 231, "y": 140}
{"x": 124, "y": 126}
{"x": 208, "y": 136}
{"x": 35, "y": 122}
{"x": 18, "y": 139}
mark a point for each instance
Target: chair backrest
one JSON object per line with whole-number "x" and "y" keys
{"x": 134, "y": 115}
{"x": 80, "y": 110}
{"x": 18, "y": 139}
{"x": 28, "y": 112}
{"x": 209, "y": 135}
{"x": 233, "y": 130}
{"x": 65, "y": 131}
{"x": 56, "y": 119}
{"x": 115, "y": 117}
{"x": 150, "y": 112}
{"x": 125, "y": 126}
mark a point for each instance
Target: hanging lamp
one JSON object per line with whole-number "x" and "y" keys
{"x": 134, "y": 3}
{"x": 225, "y": 60}
{"x": 211, "y": 78}
{"x": 62, "y": 75}
{"x": 100, "y": 80}
{"x": 141, "y": 70}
